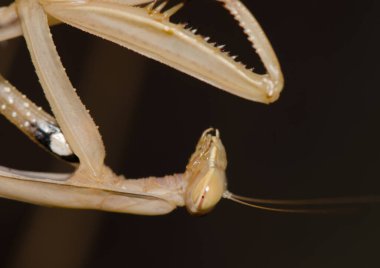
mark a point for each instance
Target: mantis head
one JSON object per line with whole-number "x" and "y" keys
{"x": 205, "y": 173}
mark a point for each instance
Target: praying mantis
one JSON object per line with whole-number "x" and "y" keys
{"x": 142, "y": 26}
{"x": 147, "y": 30}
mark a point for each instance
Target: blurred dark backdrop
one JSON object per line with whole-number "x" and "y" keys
{"x": 320, "y": 139}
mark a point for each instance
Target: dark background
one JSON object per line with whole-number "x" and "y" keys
{"x": 320, "y": 139}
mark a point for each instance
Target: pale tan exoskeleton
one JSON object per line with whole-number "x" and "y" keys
{"x": 143, "y": 26}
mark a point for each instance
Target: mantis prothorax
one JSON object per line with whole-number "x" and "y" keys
{"x": 143, "y": 26}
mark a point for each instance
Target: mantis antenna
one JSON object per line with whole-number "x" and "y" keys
{"x": 330, "y": 205}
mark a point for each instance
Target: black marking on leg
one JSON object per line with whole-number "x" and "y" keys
{"x": 50, "y": 136}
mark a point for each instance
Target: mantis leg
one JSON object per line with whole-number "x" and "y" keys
{"x": 148, "y": 31}
{"x": 9, "y": 23}
{"x": 38, "y": 125}
{"x": 76, "y": 123}
{"x": 10, "y": 26}
{"x": 259, "y": 41}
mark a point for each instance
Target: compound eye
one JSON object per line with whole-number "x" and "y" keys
{"x": 206, "y": 191}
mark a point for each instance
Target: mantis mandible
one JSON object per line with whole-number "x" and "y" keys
{"x": 143, "y": 26}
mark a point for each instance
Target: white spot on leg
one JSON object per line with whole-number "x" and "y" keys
{"x": 58, "y": 145}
